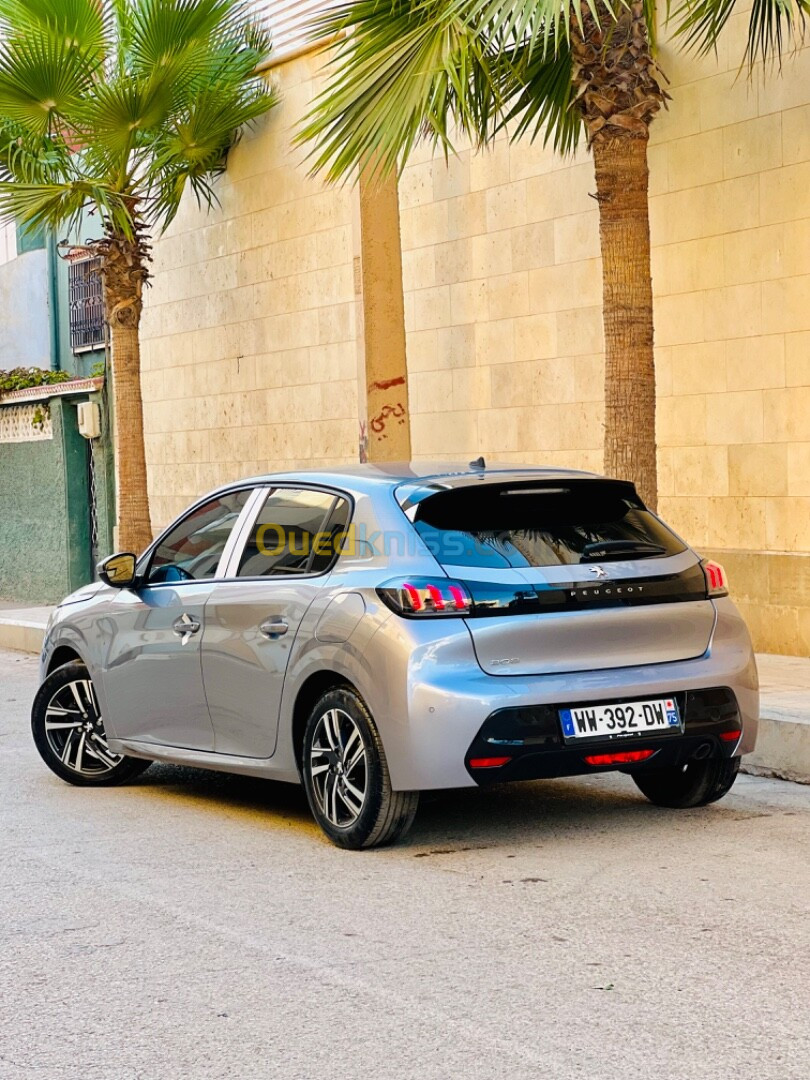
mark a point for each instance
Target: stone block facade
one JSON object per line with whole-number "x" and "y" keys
{"x": 250, "y": 358}
{"x": 252, "y": 332}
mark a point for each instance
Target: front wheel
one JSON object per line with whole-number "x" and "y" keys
{"x": 68, "y": 731}
{"x": 695, "y": 784}
{"x": 346, "y": 776}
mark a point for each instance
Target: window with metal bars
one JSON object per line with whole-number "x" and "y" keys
{"x": 86, "y": 305}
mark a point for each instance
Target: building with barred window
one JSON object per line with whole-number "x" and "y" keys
{"x": 56, "y": 486}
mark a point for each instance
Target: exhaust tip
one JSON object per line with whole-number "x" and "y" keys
{"x": 702, "y": 751}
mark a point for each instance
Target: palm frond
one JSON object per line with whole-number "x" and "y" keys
{"x": 773, "y": 25}
{"x": 117, "y": 111}
{"x": 195, "y": 145}
{"x": 544, "y": 106}
{"x": 404, "y": 69}
{"x": 160, "y": 31}
{"x": 85, "y": 24}
{"x": 199, "y": 138}
{"x": 55, "y": 205}
{"x": 122, "y": 12}
{"x": 43, "y": 77}
{"x": 122, "y": 105}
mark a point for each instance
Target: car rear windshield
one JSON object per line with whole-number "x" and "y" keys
{"x": 526, "y": 524}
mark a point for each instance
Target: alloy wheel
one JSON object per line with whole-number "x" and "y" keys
{"x": 75, "y": 730}
{"x": 338, "y": 768}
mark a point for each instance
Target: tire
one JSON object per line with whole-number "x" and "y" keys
{"x": 69, "y": 733}
{"x": 698, "y": 783}
{"x": 346, "y": 776}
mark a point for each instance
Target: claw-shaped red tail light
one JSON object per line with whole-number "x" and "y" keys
{"x": 418, "y": 596}
{"x": 716, "y": 580}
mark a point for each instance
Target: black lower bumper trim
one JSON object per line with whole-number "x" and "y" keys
{"x": 531, "y": 737}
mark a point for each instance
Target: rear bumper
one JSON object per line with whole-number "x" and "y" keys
{"x": 430, "y": 720}
{"x": 532, "y": 740}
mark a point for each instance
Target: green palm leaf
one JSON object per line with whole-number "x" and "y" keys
{"x": 543, "y": 106}
{"x": 405, "y": 69}
{"x": 772, "y": 25}
{"x": 43, "y": 77}
{"x": 118, "y": 111}
{"x": 86, "y": 24}
{"x": 40, "y": 204}
{"x": 122, "y": 104}
{"x": 161, "y": 31}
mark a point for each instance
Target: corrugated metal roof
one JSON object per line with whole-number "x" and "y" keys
{"x": 291, "y": 23}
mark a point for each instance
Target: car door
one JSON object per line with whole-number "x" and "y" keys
{"x": 252, "y": 619}
{"x": 153, "y": 675}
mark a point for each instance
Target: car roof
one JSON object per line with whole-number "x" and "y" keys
{"x": 373, "y": 476}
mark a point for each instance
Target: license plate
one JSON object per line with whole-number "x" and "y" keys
{"x": 629, "y": 718}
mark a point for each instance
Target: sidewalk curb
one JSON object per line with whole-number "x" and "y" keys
{"x": 783, "y": 750}
{"x": 21, "y": 635}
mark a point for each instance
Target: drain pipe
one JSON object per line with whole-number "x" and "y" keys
{"x": 53, "y": 297}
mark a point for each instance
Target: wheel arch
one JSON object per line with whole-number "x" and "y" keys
{"x": 61, "y": 655}
{"x": 314, "y": 687}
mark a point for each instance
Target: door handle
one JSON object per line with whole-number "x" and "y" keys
{"x": 273, "y": 628}
{"x": 185, "y": 626}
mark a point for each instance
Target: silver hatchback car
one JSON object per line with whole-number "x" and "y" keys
{"x": 377, "y": 631}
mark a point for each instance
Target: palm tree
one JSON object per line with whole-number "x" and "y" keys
{"x": 115, "y": 108}
{"x": 405, "y": 70}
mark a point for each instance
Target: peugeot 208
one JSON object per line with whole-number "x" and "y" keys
{"x": 373, "y": 632}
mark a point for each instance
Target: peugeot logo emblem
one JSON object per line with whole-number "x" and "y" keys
{"x": 598, "y": 571}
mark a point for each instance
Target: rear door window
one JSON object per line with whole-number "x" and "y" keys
{"x": 297, "y": 531}
{"x": 526, "y": 524}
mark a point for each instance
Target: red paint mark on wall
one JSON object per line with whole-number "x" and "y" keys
{"x": 386, "y": 384}
{"x": 387, "y": 412}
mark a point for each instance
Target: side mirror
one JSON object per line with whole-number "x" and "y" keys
{"x": 118, "y": 570}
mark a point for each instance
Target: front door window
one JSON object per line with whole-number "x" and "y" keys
{"x": 191, "y": 551}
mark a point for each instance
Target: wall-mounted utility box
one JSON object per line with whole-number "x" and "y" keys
{"x": 89, "y": 419}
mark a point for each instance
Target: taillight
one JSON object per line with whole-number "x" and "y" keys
{"x": 419, "y": 597}
{"x": 716, "y": 580}
{"x": 623, "y": 757}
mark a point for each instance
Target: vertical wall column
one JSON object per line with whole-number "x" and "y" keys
{"x": 385, "y": 431}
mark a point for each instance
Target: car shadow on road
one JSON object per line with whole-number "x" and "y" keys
{"x": 447, "y": 821}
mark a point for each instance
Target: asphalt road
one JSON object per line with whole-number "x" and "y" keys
{"x": 195, "y": 926}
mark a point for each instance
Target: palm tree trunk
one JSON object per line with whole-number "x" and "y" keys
{"x": 124, "y": 273}
{"x": 627, "y": 312}
{"x": 617, "y": 90}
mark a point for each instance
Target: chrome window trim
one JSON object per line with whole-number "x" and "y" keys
{"x": 227, "y": 569}
{"x": 243, "y": 524}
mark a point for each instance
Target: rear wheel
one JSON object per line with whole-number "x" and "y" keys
{"x": 695, "y": 784}
{"x": 68, "y": 730}
{"x": 346, "y": 776}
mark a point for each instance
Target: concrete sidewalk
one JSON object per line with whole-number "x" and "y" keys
{"x": 22, "y": 628}
{"x": 783, "y": 748}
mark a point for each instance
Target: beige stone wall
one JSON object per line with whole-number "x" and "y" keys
{"x": 503, "y": 293}
{"x": 252, "y": 344}
{"x": 250, "y": 359}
